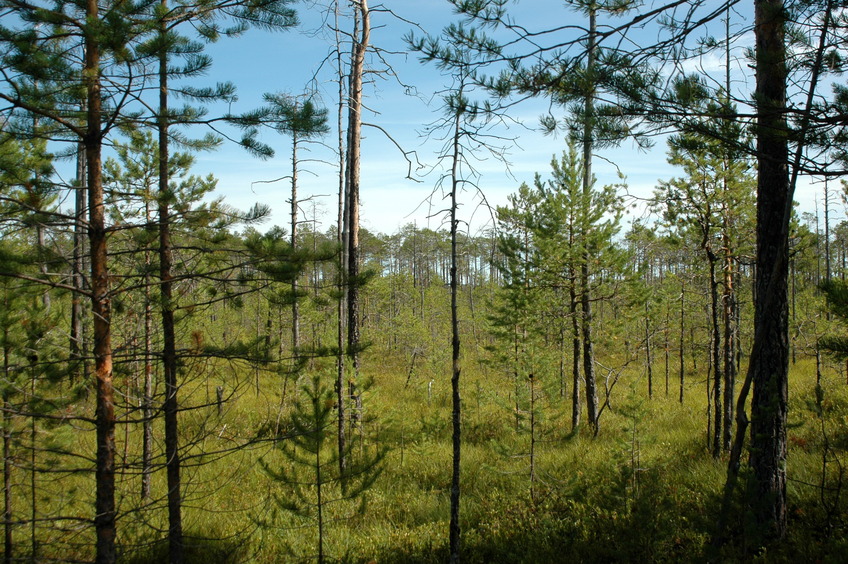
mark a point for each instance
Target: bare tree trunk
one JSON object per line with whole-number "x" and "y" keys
{"x": 455, "y": 349}
{"x": 342, "y": 265}
{"x": 354, "y": 135}
{"x": 294, "y": 284}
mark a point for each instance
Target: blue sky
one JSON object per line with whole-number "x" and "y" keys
{"x": 261, "y": 62}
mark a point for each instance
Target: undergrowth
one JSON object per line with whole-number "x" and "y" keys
{"x": 645, "y": 490}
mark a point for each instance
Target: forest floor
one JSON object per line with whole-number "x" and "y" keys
{"x": 646, "y": 489}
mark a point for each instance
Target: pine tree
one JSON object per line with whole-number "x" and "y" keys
{"x": 309, "y": 470}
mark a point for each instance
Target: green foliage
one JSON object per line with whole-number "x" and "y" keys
{"x": 309, "y": 468}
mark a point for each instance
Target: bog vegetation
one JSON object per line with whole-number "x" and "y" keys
{"x": 182, "y": 385}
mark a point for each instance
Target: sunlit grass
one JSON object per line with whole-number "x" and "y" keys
{"x": 645, "y": 489}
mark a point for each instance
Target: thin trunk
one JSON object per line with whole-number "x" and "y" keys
{"x": 680, "y": 343}
{"x": 532, "y": 438}
{"x": 728, "y": 300}
{"x": 101, "y": 301}
{"x": 561, "y": 343}
{"x": 8, "y": 540}
{"x": 575, "y": 356}
{"x": 294, "y": 284}
{"x": 169, "y": 351}
{"x": 341, "y": 234}
{"x": 516, "y": 363}
{"x": 455, "y": 347}
{"x": 33, "y": 485}
{"x": 147, "y": 394}
{"x": 666, "y": 345}
{"x": 708, "y": 381}
{"x": 648, "y": 360}
{"x": 715, "y": 361}
{"x": 826, "y": 234}
{"x": 42, "y": 251}
{"x": 77, "y": 343}
{"x": 586, "y": 298}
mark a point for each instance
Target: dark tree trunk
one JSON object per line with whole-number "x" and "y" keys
{"x": 169, "y": 351}
{"x": 456, "y": 403}
{"x": 342, "y": 265}
{"x": 770, "y": 362}
{"x": 666, "y": 347}
{"x": 680, "y": 343}
{"x": 575, "y": 357}
{"x": 586, "y": 298}
{"x": 715, "y": 361}
{"x": 648, "y": 359}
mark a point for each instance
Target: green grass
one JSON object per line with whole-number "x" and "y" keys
{"x": 644, "y": 490}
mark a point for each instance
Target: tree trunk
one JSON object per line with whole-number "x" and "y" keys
{"x": 77, "y": 342}
{"x": 648, "y": 359}
{"x": 586, "y": 298}
{"x": 354, "y": 136}
{"x": 575, "y": 355}
{"x": 715, "y": 361}
{"x": 342, "y": 264}
{"x": 728, "y": 300}
{"x": 295, "y": 331}
{"x": 33, "y": 486}
{"x": 147, "y": 394}
{"x": 770, "y": 362}
{"x": 455, "y": 349}
{"x": 101, "y": 301}
{"x": 666, "y": 347}
{"x": 680, "y": 343}
{"x": 532, "y": 438}
{"x": 169, "y": 351}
